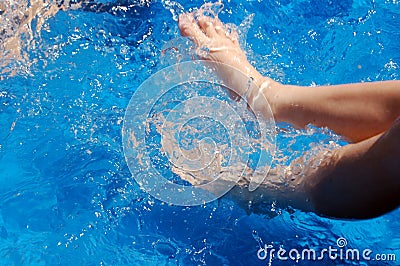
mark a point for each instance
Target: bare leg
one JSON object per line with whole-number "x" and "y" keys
{"x": 356, "y": 111}
{"x": 361, "y": 180}
{"x": 358, "y": 181}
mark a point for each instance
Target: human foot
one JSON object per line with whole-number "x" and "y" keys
{"x": 215, "y": 43}
{"x": 219, "y": 45}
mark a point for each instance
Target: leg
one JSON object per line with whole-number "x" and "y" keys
{"x": 356, "y": 111}
{"x": 362, "y": 180}
{"x": 358, "y": 181}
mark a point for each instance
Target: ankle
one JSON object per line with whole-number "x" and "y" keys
{"x": 272, "y": 91}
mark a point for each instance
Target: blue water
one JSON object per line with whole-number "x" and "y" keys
{"x": 66, "y": 194}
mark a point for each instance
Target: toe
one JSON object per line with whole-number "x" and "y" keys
{"x": 189, "y": 27}
{"x": 220, "y": 30}
{"x": 233, "y": 35}
{"x": 207, "y": 25}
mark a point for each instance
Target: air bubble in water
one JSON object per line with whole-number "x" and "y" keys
{"x": 257, "y": 238}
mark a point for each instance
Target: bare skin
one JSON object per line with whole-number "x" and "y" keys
{"x": 360, "y": 180}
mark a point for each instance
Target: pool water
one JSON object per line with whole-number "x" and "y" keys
{"x": 67, "y": 196}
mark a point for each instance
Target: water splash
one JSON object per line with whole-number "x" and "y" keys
{"x": 287, "y": 173}
{"x": 209, "y": 10}
{"x": 21, "y": 23}
{"x": 174, "y": 7}
{"x": 181, "y": 49}
{"x": 244, "y": 27}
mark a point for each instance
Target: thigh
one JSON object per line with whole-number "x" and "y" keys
{"x": 362, "y": 180}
